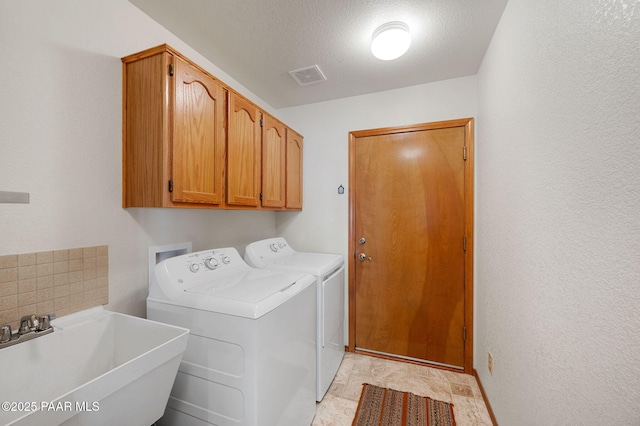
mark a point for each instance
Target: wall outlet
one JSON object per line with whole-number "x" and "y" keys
{"x": 490, "y": 363}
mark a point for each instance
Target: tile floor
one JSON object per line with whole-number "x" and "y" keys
{"x": 339, "y": 404}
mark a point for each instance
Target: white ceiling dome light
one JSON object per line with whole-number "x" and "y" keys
{"x": 390, "y": 40}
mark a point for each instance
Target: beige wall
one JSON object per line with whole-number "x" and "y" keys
{"x": 558, "y": 202}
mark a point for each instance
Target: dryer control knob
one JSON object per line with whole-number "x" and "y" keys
{"x": 274, "y": 247}
{"x": 194, "y": 267}
{"x": 226, "y": 260}
{"x": 211, "y": 263}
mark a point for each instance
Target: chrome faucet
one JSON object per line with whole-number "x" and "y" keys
{"x": 28, "y": 323}
{"x": 31, "y": 326}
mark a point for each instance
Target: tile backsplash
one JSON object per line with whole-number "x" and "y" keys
{"x": 57, "y": 281}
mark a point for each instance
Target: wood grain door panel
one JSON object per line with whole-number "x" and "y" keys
{"x": 243, "y": 152}
{"x": 198, "y": 143}
{"x": 294, "y": 170}
{"x": 273, "y": 162}
{"x": 409, "y": 206}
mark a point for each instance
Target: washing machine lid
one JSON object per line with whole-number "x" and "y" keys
{"x": 317, "y": 264}
{"x": 276, "y": 253}
{"x": 250, "y": 295}
{"x": 251, "y": 286}
{"x": 220, "y": 281}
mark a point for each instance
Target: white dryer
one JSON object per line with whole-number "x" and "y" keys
{"x": 250, "y": 357}
{"x": 328, "y": 269}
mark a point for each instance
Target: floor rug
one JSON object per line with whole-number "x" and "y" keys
{"x": 387, "y": 407}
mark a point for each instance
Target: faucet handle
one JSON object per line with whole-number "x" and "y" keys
{"x": 24, "y": 325}
{"x": 28, "y": 323}
{"x": 43, "y": 323}
{"x": 5, "y": 333}
{"x": 34, "y": 322}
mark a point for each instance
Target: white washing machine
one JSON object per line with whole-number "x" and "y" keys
{"x": 328, "y": 269}
{"x": 250, "y": 357}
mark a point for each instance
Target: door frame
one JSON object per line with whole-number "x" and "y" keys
{"x": 467, "y": 123}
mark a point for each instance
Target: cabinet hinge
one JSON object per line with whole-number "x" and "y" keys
{"x": 464, "y": 334}
{"x": 171, "y": 70}
{"x": 464, "y": 153}
{"x": 261, "y": 122}
{"x": 170, "y": 186}
{"x": 261, "y": 196}
{"x": 464, "y": 243}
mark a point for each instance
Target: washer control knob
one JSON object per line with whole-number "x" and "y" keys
{"x": 274, "y": 247}
{"x": 226, "y": 260}
{"x": 194, "y": 267}
{"x": 211, "y": 263}
{"x": 280, "y": 245}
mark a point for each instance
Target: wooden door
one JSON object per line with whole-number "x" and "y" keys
{"x": 409, "y": 232}
{"x": 273, "y": 162}
{"x": 294, "y": 170}
{"x": 243, "y": 152}
{"x": 198, "y": 138}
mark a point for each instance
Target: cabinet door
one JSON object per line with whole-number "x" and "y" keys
{"x": 274, "y": 147}
{"x": 243, "y": 152}
{"x": 294, "y": 170}
{"x": 198, "y": 138}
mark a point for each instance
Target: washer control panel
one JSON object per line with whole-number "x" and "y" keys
{"x": 270, "y": 248}
{"x": 276, "y": 246}
{"x": 208, "y": 260}
{"x": 175, "y": 275}
{"x": 261, "y": 253}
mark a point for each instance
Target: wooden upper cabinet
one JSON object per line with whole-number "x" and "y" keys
{"x": 294, "y": 171}
{"x": 173, "y": 132}
{"x": 188, "y": 140}
{"x": 274, "y": 147}
{"x": 243, "y": 152}
{"x": 198, "y": 137}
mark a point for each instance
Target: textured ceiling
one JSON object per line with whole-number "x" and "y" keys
{"x": 258, "y": 42}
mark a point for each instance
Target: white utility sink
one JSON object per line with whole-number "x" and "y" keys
{"x": 97, "y": 368}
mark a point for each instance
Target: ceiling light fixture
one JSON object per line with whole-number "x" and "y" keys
{"x": 390, "y": 40}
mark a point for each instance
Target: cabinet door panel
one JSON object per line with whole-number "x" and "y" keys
{"x": 243, "y": 152}
{"x": 273, "y": 162}
{"x": 198, "y": 144}
{"x": 294, "y": 170}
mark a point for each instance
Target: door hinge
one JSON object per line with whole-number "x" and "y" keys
{"x": 464, "y": 153}
{"x": 464, "y": 334}
{"x": 171, "y": 70}
{"x": 170, "y": 186}
{"x": 464, "y": 243}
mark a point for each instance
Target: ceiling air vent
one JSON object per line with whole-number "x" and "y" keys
{"x": 308, "y": 75}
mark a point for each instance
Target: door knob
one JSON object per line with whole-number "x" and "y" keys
{"x": 362, "y": 257}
